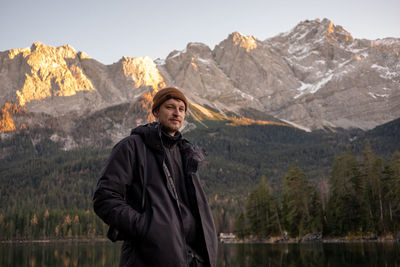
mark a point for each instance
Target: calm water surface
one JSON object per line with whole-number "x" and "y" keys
{"x": 246, "y": 255}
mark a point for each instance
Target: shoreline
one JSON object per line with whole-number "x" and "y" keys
{"x": 71, "y": 240}
{"x": 327, "y": 241}
{"x": 247, "y": 241}
{"x": 311, "y": 238}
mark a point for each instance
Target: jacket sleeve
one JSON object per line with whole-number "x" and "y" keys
{"x": 109, "y": 199}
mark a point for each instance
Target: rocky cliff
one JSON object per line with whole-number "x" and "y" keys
{"x": 314, "y": 76}
{"x": 44, "y": 86}
{"x": 342, "y": 81}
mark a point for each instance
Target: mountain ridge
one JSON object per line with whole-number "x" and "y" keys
{"x": 314, "y": 76}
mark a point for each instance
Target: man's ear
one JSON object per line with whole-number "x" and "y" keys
{"x": 156, "y": 112}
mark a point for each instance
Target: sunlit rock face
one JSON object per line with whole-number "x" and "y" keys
{"x": 57, "y": 88}
{"x": 143, "y": 72}
{"x": 134, "y": 76}
{"x": 247, "y": 42}
{"x": 314, "y": 76}
{"x": 44, "y": 79}
{"x": 6, "y": 121}
{"x": 48, "y": 73}
{"x": 68, "y": 81}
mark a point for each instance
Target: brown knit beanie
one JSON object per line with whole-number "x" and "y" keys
{"x": 165, "y": 94}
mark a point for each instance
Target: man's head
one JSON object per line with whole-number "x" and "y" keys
{"x": 169, "y": 108}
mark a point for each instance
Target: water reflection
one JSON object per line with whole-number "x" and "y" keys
{"x": 229, "y": 255}
{"x": 315, "y": 254}
{"x": 59, "y": 254}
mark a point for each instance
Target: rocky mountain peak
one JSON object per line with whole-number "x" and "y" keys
{"x": 12, "y": 53}
{"x": 192, "y": 59}
{"x": 56, "y": 79}
{"x": 142, "y": 71}
{"x": 65, "y": 51}
{"x": 316, "y": 75}
{"x": 48, "y": 71}
{"x": 337, "y": 32}
{"x": 324, "y": 57}
{"x": 255, "y": 70}
{"x": 241, "y": 41}
{"x": 247, "y": 42}
{"x": 194, "y": 49}
{"x": 318, "y": 31}
{"x": 198, "y": 50}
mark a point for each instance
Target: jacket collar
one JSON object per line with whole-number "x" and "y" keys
{"x": 151, "y": 135}
{"x": 169, "y": 141}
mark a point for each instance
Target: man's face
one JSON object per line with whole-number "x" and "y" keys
{"x": 171, "y": 115}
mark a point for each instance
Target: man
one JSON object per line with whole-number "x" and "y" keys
{"x": 150, "y": 195}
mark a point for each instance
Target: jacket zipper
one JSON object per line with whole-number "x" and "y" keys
{"x": 172, "y": 189}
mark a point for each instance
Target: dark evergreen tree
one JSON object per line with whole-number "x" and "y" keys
{"x": 240, "y": 226}
{"x": 372, "y": 174}
{"x": 392, "y": 194}
{"x": 301, "y": 207}
{"x": 261, "y": 211}
{"x": 346, "y": 212}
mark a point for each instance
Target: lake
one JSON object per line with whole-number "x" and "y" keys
{"x": 246, "y": 255}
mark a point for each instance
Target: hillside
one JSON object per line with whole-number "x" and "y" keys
{"x": 36, "y": 177}
{"x": 256, "y": 106}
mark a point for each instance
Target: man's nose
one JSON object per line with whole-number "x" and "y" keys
{"x": 176, "y": 112}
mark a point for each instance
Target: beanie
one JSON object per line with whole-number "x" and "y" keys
{"x": 166, "y": 94}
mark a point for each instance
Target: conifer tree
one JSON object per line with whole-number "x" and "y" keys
{"x": 240, "y": 226}
{"x": 261, "y": 211}
{"x": 301, "y": 207}
{"x": 346, "y": 211}
{"x": 372, "y": 174}
{"x": 392, "y": 193}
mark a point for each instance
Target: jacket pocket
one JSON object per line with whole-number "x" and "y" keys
{"x": 141, "y": 228}
{"x": 133, "y": 196}
{"x": 144, "y": 222}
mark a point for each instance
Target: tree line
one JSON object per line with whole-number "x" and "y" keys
{"x": 45, "y": 192}
{"x": 362, "y": 199}
{"x": 51, "y": 224}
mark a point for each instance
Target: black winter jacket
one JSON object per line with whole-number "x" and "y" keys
{"x": 151, "y": 226}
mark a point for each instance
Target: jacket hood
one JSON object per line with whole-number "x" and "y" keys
{"x": 151, "y": 136}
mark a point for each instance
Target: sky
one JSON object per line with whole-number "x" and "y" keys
{"x": 107, "y": 30}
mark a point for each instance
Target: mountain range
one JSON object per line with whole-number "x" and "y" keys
{"x": 315, "y": 76}
{"x": 257, "y": 107}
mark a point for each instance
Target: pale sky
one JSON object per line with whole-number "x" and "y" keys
{"x": 109, "y": 29}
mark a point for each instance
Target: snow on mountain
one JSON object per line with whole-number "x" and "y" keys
{"x": 338, "y": 75}
{"x": 314, "y": 76}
